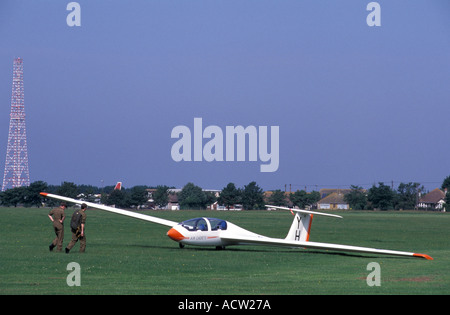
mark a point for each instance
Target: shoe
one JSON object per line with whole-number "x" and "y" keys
{"x": 67, "y": 250}
{"x": 51, "y": 246}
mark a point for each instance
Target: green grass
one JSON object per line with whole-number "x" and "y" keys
{"x": 129, "y": 256}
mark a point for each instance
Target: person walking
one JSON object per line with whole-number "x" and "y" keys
{"x": 77, "y": 225}
{"x": 57, "y": 216}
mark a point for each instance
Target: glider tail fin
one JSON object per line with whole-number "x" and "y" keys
{"x": 300, "y": 228}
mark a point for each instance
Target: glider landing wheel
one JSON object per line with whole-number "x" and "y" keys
{"x": 181, "y": 245}
{"x": 220, "y": 247}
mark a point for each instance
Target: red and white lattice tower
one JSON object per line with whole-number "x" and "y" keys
{"x": 16, "y": 165}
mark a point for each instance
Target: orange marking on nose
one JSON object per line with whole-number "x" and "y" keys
{"x": 175, "y": 235}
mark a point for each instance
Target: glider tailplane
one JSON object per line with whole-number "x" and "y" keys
{"x": 300, "y": 228}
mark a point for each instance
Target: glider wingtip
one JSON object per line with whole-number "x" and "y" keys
{"x": 423, "y": 256}
{"x": 44, "y": 193}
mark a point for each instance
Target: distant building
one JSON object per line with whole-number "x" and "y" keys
{"x": 173, "y": 202}
{"x": 333, "y": 201}
{"x": 328, "y": 191}
{"x": 434, "y": 200}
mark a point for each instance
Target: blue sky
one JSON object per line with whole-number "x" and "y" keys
{"x": 355, "y": 104}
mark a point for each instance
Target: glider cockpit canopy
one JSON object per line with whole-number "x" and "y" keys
{"x": 204, "y": 224}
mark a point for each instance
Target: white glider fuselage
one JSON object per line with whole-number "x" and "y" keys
{"x": 208, "y": 232}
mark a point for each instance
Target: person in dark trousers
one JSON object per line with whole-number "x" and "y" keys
{"x": 77, "y": 225}
{"x": 57, "y": 216}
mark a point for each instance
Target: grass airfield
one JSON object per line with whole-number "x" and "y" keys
{"x": 128, "y": 256}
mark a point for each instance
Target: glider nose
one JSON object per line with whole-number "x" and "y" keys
{"x": 175, "y": 235}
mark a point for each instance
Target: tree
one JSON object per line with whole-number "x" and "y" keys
{"x": 299, "y": 199}
{"x": 161, "y": 196}
{"x": 192, "y": 197}
{"x": 67, "y": 189}
{"x": 446, "y": 184}
{"x": 447, "y": 201}
{"x": 13, "y": 196}
{"x": 302, "y": 199}
{"x": 138, "y": 196}
{"x": 32, "y": 196}
{"x": 312, "y": 198}
{"x": 118, "y": 198}
{"x": 407, "y": 195}
{"x": 446, "y": 188}
{"x": 27, "y": 196}
{"x": 210, "y": 198}
{"x": 278, "y": 198}
{"x": 229, "y": 196}
{"x": 381, "y": 197}
{"x": 252, "y": 197}
{"x": 356, "y": 198}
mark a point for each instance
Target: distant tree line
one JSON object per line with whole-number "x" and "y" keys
{"x": 28, "y": 196}
{"x": 384, "y": 197}
{"x": 250, "y": 196}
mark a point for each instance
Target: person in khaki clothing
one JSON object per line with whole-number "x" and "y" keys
{"x": 77, "y": 227}
{"x": 57, "y": 216}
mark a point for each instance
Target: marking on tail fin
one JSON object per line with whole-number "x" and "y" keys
{"x": 309, "y": 228}
{"x": 300, "y": 228}
{"x": 297, "y": 231}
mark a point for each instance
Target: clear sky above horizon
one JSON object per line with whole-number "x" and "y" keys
{"x": 355, "y": 105}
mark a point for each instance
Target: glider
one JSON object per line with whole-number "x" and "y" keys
{"x": 220, "y": 233}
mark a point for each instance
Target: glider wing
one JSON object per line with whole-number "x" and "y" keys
{"x": 114, "y": 210}
{"x": 244, "y": 240}
{"x": 305, "y": 211}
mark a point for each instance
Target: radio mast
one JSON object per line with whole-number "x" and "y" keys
{"x": 16, "y": 165}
